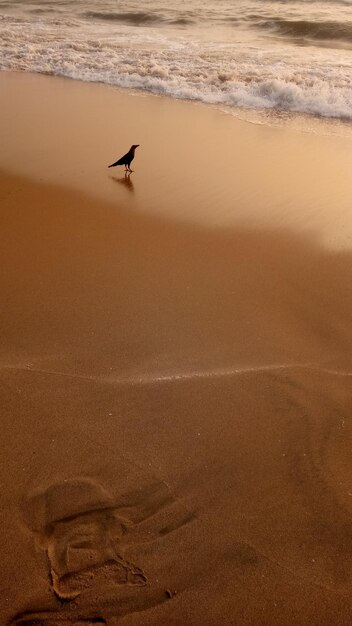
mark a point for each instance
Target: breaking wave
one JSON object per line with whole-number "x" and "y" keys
{"x": 138, "y": 18}
{"x": 219, "y": 55}
{"x": 134, "y": 17}
{"x": 334, "y": 31}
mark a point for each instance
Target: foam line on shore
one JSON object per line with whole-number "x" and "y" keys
{"x": 185, "y": 376}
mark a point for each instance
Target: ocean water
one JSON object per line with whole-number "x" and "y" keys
{"x": 282, "y": 56}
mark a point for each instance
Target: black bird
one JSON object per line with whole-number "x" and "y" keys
{"x": 127, "y": 158}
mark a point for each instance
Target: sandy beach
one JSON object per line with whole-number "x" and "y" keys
{"x": 175, "y": 364}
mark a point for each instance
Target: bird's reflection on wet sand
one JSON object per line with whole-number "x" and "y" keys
{"x": 125, "y": 181}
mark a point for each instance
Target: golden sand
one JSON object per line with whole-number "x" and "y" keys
{"x": 175, "y": 389}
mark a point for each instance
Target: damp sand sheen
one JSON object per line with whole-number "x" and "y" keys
{"x": 175, "y": 364}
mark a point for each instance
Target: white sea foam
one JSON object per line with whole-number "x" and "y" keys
{"x": 237, "y": 67}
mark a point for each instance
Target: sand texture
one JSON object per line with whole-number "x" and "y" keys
{"x": 175, "y": 389}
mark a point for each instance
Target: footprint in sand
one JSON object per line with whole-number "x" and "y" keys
{"x": 78, "y": 526}
{"x": 84, "y": 533}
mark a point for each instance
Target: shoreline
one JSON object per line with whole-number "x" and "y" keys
{"x": 275, "y": 118}
{"x": 269, "y": 174}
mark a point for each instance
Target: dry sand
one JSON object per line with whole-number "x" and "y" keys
{"x": 175, "y": 384}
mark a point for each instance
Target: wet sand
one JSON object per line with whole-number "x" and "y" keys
{"x": 175, "y": 392}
